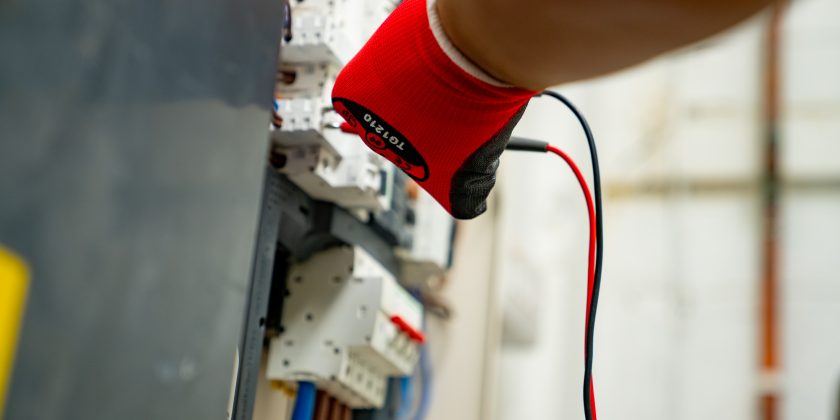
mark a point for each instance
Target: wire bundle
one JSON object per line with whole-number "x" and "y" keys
{"x": 596, "y": 239}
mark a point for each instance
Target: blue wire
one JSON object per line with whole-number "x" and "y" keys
{"x": 426, "y": 377}
{"x": 305, "y": 401}
{"x": 406, "y": 398}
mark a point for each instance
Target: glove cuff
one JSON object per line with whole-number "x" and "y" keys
{"x": 453, "y": 52}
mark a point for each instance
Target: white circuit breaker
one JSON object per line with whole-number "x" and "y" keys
{"x": 302, "y": 101}
{"x": 347, "y": 326}
{"x": 324, "y": 31}
{"x": 332, "y": 31}
{"x": 355, "y": 181}
{"x": 319, "y": 38}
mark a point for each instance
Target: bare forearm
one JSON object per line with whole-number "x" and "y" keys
{"x": 540, "y": 43}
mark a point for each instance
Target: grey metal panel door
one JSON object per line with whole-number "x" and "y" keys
{"x": 132, "y": 148}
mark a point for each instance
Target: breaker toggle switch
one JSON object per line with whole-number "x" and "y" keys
{"x": 412, "y": 333}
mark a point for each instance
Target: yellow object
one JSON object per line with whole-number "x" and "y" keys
{"x": 13, "y": 282}
{"x": 285, "y": 388}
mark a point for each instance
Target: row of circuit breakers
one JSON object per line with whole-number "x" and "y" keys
{"x": 348, "y": 323}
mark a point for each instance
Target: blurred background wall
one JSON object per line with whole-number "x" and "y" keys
{"x": 810, "y": 224}
{"x": 693, "y": 240}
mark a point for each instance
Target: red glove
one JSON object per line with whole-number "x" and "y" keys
{"x": 414, "y": 99}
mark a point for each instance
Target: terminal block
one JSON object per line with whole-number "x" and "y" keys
{"x": 347, "y": 326}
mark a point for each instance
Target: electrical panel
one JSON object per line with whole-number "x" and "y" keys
{"x": 357, "y": 234}
{"x": 325, "y": 162}
{"x": 347, "y": 326}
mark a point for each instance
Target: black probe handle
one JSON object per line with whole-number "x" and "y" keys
{"x": 526, "y": 145}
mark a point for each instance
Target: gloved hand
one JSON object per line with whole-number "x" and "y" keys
{"x": 416, "y": 100}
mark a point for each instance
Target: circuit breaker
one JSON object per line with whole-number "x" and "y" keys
{"x": 347, "y": 326}
{"x": 332, "y": 31}
{"x": 361, "y": 180}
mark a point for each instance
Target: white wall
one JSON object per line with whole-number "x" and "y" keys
{"x": 464, "y": 350}
{"x": 680, "y": 142}
{"x": 811, "y": 211}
